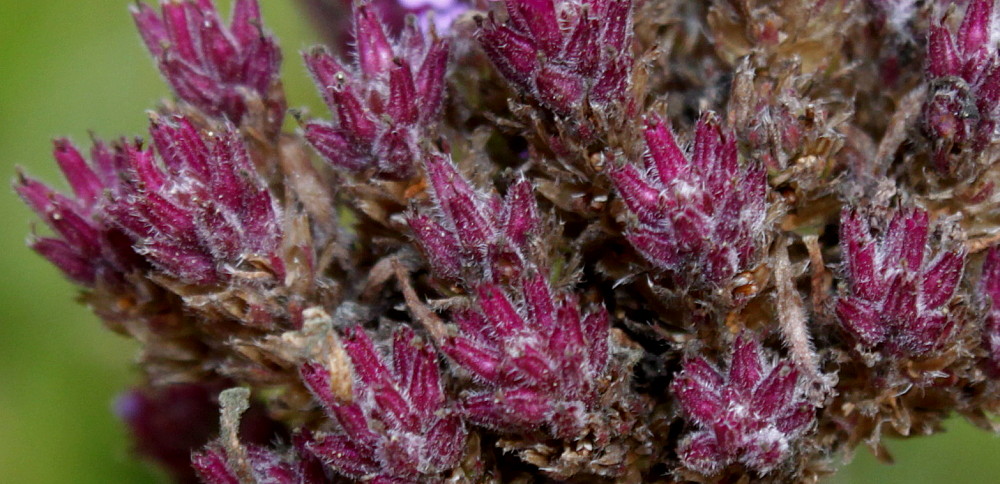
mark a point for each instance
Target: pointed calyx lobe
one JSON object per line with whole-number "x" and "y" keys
{"x": 565, "y": 54}
{"x": 539, "y": 361}
{"x": 899, "y": 286}
{"x": 962, "y": 108}
{"x": 218, "y": 69}
{"x": 386, "y": 103}
{"x": 469, "y": 236}
{"x": 752, "y": 414}
{"x": 697, "y": 216}
{"x": 397, "y": 424}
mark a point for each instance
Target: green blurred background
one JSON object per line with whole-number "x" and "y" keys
{"x": 68, "y": 67}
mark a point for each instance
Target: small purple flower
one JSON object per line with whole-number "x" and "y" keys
{"x": 386, "y": 104}
{"x": 204, "y": 213}
{"x": 899, "y": 289}
{"x": 963, "y": 105}
{"x": 541, "y": 361}
{"x": 398, "y": 426}
{"x": 87, "y": 249}
{"x": 751, "y": 415}
{"x": 443, "y": 12}
{"x": 989, "y": 287}
{"x": 469, "y": 235}
{"x": 698, "y": 216}
{"x": 566, "y": 54}
{"x": 208, "y": 65}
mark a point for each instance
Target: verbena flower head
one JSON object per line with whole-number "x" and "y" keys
{"x": 540, "y": 360}
{"x": 697, "y": 216}
{"x": 471, "y": 236}
{"x": 199, "y": 212}
{"x": 568, "y": 55}
{"x": 387, "y": 103}
{"x": 752, "y": 414}
{"x": 216, "y": 68}
{"x": 397, "y": 425}
{"x": 579, "y": 307}
{"x": 899, "y": 285}
{"x": 963, "y": 71}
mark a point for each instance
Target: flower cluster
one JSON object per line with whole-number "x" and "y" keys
{"x": 540, "y": 360}
{"x": 396, "y": 423}
{"x": 204, "y": 213}
{"x": 752, "y": 415}
{"x": 568, "y": 55}
{"x": 698, "y": 217}
{"x": 217, "y": 69}
{"x": 900, "y": 289}
{"x": 963, "y": 72}
{"x": 471, "y": 236}
{"x": 385, "y": 105}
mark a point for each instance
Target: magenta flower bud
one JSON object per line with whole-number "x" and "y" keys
{"x": 961, "y": 110}
{"x": 397, "y": 425}
{"x": 204, "y": 212}
{"x": 385, "y": 104}
{"x": 211, "y": 66}
{"x": 751, "y": 415}
{"x": 539, "y": 359}
{"x": 470, "y": 235}
{"x": 899, "y": 288}
{"x": 86, "y": 248}
{"x": 565, "y": 54}
{"x": 694, "y": 215}
{"x": 989, "y": 287}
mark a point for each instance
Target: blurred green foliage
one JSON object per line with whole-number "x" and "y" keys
{"x": 70, "y": 66}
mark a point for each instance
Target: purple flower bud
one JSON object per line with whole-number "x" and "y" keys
{"x": 205, "y": 212}
{"x": 565, "y": 54}
{"x": 208, "y": 65}
{"x": 398, "y": 424}
{"x": 472, "y": 235}
{"x": 385, "y": 105}
{"x": 963, "y": 70}
{"x": 899, "y": 289}
{"x": 751, "y": 415}
{"x": 989, "y": 287}
{"x": 540, "y": 360}
{"x": 87, "y": 248}
{"x": 699, "y": 215}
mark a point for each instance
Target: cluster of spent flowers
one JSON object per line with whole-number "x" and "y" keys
{"x": 435, "y": 286}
